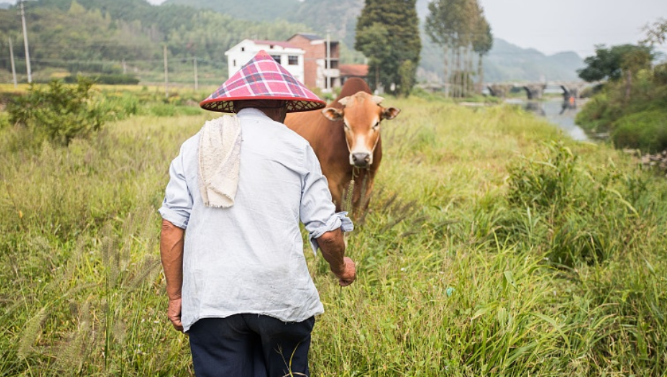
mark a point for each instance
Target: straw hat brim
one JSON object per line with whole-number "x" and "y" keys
{"x": 294, "y": 105}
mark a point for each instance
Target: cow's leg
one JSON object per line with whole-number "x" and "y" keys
{"x": 362, "y": 191}
{"x": 335, "y": 180}
{"x": 337, "y": 191}
{"x": 367, "y": 196}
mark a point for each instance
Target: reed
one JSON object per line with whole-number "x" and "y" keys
{"x": 493, "y": 245}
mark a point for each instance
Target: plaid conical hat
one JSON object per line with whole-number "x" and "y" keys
{"x": 262, "y": 78}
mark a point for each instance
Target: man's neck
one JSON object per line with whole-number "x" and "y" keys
{"x": 275, "y": 114}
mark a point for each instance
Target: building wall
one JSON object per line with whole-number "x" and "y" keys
{"x": 315, "y": 61}
{"x": 240, "y": 54}
{"x": 311, "y": 52}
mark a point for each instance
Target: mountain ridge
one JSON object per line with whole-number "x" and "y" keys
{"x": 505, "y": 61}
{"x": 136, "y": 30}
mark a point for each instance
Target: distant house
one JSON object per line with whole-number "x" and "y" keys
{"x": 353, "y": 70}
{"x": 316, "y": 69}
{"x": 287, "y": 54}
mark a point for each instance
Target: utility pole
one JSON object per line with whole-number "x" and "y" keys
{"x": 11, "y": 56}
{"x": 166, "y": 73}
{"x": 196, "y": 82}
{"x": 328, "y": 64}
{"x": 25, "y": 42}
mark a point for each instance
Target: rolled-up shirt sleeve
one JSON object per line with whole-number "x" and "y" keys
{"x": 177, "y": 203}
{"x": 318, "y": 213}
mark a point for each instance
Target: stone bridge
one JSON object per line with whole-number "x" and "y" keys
{"x": 535, "y": 91}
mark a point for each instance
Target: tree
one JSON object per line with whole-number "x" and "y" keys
{"x": 608, "y": 64}
{"x": 482, "y": 44}
{"x": 439, "y": 28}
{"x": 631, "y": 63}
{"x": 458, "y": 26}
{"x": 406, "y": 73}
{"x": 376, "y": 52}
{"x": 388, "y": 35}
{"x": 656, "y": 33}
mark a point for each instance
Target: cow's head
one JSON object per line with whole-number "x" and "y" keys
{"x": 361, "y": 115}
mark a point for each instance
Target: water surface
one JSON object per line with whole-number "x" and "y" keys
{"x": 558, "y": 112}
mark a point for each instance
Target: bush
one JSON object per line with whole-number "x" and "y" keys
{"x": 163, "y": 110}
{"x": 646, "y": 131}
{"x": 4, "y": 121}
{"x": 660, "y": 74}
{"x": 598, "y": 114}
{"x": 633, "y": 118}
{"x": 590, "y": 91}
{"x": 428, "y": 95}
{"x": 108, "y": 79}
{"x": 58, "y": 113}
{"x": 120, "y": 105}
{"x": 578, "y": 214}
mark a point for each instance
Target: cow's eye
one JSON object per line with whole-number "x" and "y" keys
{"x": 347, "y": 127}
{"x": 376, "y": 125}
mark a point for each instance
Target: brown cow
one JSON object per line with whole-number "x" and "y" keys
{"x": 346, "y": 139}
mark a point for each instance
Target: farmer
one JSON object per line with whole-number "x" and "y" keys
{"x": 231, "y": 247}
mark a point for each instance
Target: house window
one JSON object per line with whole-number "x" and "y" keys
{"x": 242, "y": 49}
{"x": 293, "y": 60}
{"x": 234, "y": 65}
{"x": 334, "y": 64}
{"x": 276, "y": 58}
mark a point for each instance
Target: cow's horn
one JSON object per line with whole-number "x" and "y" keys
{"x": 378, "y": 100}
{"x": 343, "y": 101}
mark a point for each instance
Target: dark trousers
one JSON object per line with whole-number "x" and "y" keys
{"x": 250, "y": 345}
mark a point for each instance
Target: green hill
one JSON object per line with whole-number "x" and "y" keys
{"x": 127, "y": 36}
{"x": 339, "y": 17}
{"x": 253, "y": 10}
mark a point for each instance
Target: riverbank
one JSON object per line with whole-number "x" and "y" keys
{"x": 631, "y": 111}
{"x": 494, "y": 246}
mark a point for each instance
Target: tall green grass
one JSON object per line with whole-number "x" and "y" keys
{"x": 494, "y": 246}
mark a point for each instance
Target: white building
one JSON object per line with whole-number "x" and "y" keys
{"x": 288, "y": 55}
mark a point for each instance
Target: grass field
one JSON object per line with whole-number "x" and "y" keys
{"x": 494, "y": 246}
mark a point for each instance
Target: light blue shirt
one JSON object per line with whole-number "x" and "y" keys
{"x": 249, "y": 258}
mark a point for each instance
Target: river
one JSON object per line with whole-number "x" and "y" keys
{"x": 559, "y": 113}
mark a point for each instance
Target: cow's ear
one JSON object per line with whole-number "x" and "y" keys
{"x": 390, "y": 113}
{"x": 332, "y": 114}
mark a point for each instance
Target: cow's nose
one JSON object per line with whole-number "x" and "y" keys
{"x": 361, "y": 160}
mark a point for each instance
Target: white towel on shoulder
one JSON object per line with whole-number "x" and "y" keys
{"x": 219, "y": 155}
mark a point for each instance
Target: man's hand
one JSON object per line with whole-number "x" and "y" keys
{"x": 349, "y": 274}
{"x": 171, "y": 254}
{"x": 174, "y": 314}
{"x": 332, "y": 245}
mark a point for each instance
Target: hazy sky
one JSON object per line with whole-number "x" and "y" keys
{"x": 552, "y": 26}
{"x": 572, "y": 25}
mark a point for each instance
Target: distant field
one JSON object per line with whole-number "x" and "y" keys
{"x": 22, "y": 88}
{"x": 494, "y": 246}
